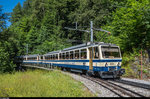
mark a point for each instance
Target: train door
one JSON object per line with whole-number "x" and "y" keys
{"x": 90, "y": 58}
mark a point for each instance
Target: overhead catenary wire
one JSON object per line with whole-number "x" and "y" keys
{"x": 88, "y": 31}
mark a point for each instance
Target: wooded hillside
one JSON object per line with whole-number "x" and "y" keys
{"x": 40, "y": 25}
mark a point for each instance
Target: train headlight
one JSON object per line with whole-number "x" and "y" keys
{"x": 116, "y": 68}
{"x": 118, "y": 64}
{"x": 106, "y": 65}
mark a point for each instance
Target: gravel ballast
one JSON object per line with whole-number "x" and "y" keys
{"x": 137, "y": 80}
{"x": 100, "y": 91}
{"x": 95, "y": 88}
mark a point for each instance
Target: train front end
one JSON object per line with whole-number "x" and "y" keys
{"x": 110, "y": 62}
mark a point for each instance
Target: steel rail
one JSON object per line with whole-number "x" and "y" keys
{"x": 127, "y": 89}
{"x": 124, "y": 91}
{"x": 132, "y": 83}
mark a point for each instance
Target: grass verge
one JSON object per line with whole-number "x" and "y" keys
{"x": 39, "y": 83}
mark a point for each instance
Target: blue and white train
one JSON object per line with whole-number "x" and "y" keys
{"x": 101, "y": 59}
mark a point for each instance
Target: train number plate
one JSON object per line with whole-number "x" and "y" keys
{"x": 111, "y": 64}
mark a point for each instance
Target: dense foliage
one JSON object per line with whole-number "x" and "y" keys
{"x": 7, "y": 46}
{"x": 130, "y": 25}
{"x": 40, "y": 25}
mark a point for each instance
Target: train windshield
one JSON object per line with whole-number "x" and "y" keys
{"x": 110, "y": 52}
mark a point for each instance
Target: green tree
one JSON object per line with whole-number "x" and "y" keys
{"x": 7, "y": 46}
{"x": 132, "y": 21}
{"x": 16, "y": 14}
{"x": 2, "y": 20}
{"x": 27, "y": 7}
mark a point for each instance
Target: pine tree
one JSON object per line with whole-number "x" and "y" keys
{"x": 2, "y": 20}
{"x": 16, "y": 14}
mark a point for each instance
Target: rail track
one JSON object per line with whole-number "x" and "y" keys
{"x": 136, "y": 84}
{"x": 117, "y": 89}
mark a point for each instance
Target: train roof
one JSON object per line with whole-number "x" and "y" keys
{"x": 88, "y": 44}
{"x": 54, "y": 52}
{"x": 24, "y": 56}
{"x": 35, "y": 55}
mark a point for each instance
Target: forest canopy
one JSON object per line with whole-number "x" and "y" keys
{"x": 39, "y": 24}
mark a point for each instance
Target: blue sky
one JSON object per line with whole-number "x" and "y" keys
{"x": 8, "y": 6}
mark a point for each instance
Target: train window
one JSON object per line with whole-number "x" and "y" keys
{"x": 53, "y": 57}
{"x": 96, "y": 53}
{"x": 41, "y": 57}
{"x": 47, "y": 57}
{"x": 110, "y": 52}
{"x": 56, "y": 56}
{"x": 83, "y": 53}
{"x": 63, "y": 55}
{"x": 60, "y": 56}
{"x": 67, "y": 55}
{"x": 77, "y": 54}
{"x": 50, "y": 57}
{"x": 71, "y": 55}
